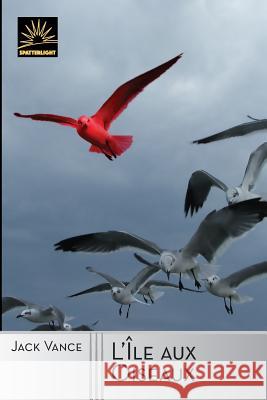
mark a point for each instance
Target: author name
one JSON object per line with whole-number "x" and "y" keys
{"x": 48, "y": 346}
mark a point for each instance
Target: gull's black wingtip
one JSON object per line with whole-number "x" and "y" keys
{"x": 186, "y": 210}
{"x": 174, "y": 59}
{"x": 57, "y": 246}
{"x": 252, "y": 118}
{"x": 139, "y": 258}
{"x": 198, "y": 141}
{"x": 64, "y": 246}
{"x": 90, "y": 269}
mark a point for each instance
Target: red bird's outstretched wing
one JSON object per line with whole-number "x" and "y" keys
{"x": 120, "y": 99}
{"x": 51, "y": 118}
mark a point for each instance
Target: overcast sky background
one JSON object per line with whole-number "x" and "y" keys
{"x": 54, "y": 188}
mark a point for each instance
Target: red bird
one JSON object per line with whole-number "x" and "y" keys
{"x": 94, "y": 129}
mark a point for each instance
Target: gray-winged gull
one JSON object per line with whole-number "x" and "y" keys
{"x": 201, "y": 182}
{"x": 215, "y": 231}
{"x": 36, "y": 313}
{"x": 226, "y": 287}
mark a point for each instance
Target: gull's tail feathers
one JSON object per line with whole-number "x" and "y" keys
{"x": 119, "y": 144}
{"x": 242, "y": 299}
{"x": 155, "y": 293}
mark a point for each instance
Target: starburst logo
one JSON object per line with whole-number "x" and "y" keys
{"x": 37, "y": 36}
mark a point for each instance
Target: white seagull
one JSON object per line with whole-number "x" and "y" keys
{"x": 148, "y": 291}
{"x": 226, "y": 287}
{"x": 217, "y": 229}
{"x": 201, "y": 183}
{"x": 36, "y": 313}
{"x": 238, "y": 130}
{"x": 126, "y": 294}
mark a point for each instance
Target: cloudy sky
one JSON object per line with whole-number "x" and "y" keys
{"x": 54, "y": 188}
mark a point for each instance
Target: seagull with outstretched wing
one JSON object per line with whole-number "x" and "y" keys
{"x": 95, "y": 129}
{"x": 238, "y": 130}
{"x": 215, "y": 231}
{"x": 226, "y": 287}
{"x": 149, "y": 291}
{"x": 125, "y": 294}
{"x": 201, "y": 182}
{"x": 35, "y": 313}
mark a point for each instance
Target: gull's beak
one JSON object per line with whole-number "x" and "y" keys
{"x": 168, "y": 275}
{"x": 19, "y": 316}
{"x": 204, "y": 280}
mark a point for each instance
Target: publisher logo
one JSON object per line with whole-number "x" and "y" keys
{"x": 37, "y": 37}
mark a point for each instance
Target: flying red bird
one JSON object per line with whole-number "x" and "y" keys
{"x": 95, "y": 129}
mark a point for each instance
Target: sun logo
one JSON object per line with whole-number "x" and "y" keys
{"x": 37, "y": 35}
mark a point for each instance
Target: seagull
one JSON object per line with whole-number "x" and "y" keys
{"x": 95, "y": 129}
{"x": 47, "y": 327}
{"x": 36, "y": 313}
{"x": 125, "y": 294}
{"x": 201, "y": 182}
{"x": 226, "y": 287}
{"x": 148, "y": 291}
{"x": 238, "y": 130}
{"x": 217, "y": 229}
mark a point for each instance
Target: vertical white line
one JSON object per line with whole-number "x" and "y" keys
{"x": 96, "y": 366}
{"x": 93, "y": 367}
{"x": 102, "y": 363}
{"x": 90, "y": 366}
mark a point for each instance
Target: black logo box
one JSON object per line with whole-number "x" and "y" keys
{"x": 39, "y": 45}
